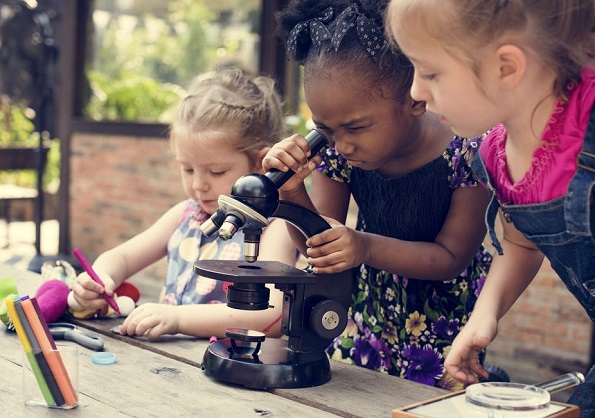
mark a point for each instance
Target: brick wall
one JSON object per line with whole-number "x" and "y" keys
{"x": 546, "y": 329}
{"x": 119, "y": 186}
{"x": 546, "y": 333}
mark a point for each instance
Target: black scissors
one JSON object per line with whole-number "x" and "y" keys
{"x": 69, "y": 332}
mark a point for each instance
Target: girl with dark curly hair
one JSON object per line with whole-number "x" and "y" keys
{"x": 417, "y": 245}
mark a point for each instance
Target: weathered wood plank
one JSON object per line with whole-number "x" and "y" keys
{"x": 186, "y": 349}
{"x": 352, "y": 391}
{"x": 12, "y": 402}
{"x": 357, "y": 392}
{"x": 145, "y": 384}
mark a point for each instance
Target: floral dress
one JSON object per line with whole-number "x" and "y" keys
{"x": 400, "y": 325}
{"x": 186, "y": 245}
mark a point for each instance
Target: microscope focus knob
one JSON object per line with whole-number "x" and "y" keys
{"x": 328, "y": 319}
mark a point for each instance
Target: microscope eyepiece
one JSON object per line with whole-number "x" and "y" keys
{"x": 212, "y": 225}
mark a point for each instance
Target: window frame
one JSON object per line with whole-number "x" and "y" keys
{"x": 71, "y": 30}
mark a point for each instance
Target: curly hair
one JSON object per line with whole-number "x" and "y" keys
{"x": 389, "y": 68}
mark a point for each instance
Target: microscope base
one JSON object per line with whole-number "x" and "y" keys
{"x": 273, "y": 366}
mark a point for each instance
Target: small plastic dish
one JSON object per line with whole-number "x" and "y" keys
{"x": 503, "y": 396}
{"x": 103, "y": 358}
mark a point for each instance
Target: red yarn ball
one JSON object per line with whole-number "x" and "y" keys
{"x": 128, "y": 289}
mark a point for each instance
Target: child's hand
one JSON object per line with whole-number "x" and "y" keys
{"x": 291, "y": 154}
{"x": 154, "y": 319}
{"x": 337, "y": 249}
{"x": 89, "y": 294}
{"x": 462, "y": 361}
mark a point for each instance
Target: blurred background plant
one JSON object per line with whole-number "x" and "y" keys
{"x": 17, "y": 130}
{"x": 143, "y": 56}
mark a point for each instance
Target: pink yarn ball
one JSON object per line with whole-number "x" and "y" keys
{"x": 52, "y": 297}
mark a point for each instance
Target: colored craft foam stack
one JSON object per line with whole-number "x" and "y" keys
{"x": 42, "y": 353}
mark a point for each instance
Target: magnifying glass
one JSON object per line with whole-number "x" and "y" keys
{"x": 69, "y": 332}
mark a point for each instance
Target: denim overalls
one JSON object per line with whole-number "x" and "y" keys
{"x": 563, "y": 229}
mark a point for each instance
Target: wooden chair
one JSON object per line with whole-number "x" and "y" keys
{"x": 19, "y": 159}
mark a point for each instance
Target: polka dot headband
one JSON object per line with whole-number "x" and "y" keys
{"x": 368, "y": 32}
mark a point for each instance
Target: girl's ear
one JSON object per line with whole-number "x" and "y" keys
{"x": 418, "y": 108}
{"x": 257, "y": 164}
{"x": 512, "y": 64}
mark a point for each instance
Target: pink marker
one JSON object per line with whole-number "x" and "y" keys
{"x": 81, "y": 258}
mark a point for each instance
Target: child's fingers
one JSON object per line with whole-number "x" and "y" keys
{"x": 334, "y": 268}
{"x": 272, "y": 161}
{"x": 314, "y": 162}
{"x": 84, "y": 294}
{"x": 156, "y": 331}
{"x": 282, "y": 160}
{"x": 463, "y": 375}
{"x": 146, "y": 326}
{"x": 302, "y": 143}
{"x": 88, "y": 300}
{"x": 130, "y": 326}
{"x": 146, "y": 320}
{"x": 87, "y": 283}
{"x": 479, "y": 370}
{"x": 460, "y": 370}
{"x": 321, "y": 238}
{"x": 463, "y": 363}
{"x": 109, "y": 285}
{"x": 296, "y": 147}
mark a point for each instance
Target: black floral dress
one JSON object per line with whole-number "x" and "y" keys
{"x": 400, "y": 325}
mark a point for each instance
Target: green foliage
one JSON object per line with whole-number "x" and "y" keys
{"x": 16, "y": 127}
{"x": 297, "y": 124}
{"x": 191, "y": 18}
{"x": 17, "y": 130}
{"x": 138, "y": 77}
{"x": 131, "y": 98}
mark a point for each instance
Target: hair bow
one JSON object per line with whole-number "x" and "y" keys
{"x": 368, "y": 32}
{"x": 316, "y": 27}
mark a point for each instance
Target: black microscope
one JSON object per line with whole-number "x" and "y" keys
{"x": 314, "y": 306}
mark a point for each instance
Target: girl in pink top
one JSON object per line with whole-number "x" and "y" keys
{"x": 554, "y": 161}
{"x": 529, "y": 66}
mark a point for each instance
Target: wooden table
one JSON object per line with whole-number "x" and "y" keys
{"x": 163, "y": 378}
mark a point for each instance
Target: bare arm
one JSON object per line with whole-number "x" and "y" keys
{"x": 206, "y": 320}
{"x": 509, "y": 276}
{"x": 453, "y": 249}
{"x": 292, "y": 154}
{"x": 330, "y": 197}
{"x": 119, "y": 263}
{"x": 213, "y": 319}
{"x": 202, "y": 320}
{"x": 324, "y": 191}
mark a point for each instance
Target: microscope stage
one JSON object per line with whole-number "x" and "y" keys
{"x": 257, "y": 272}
